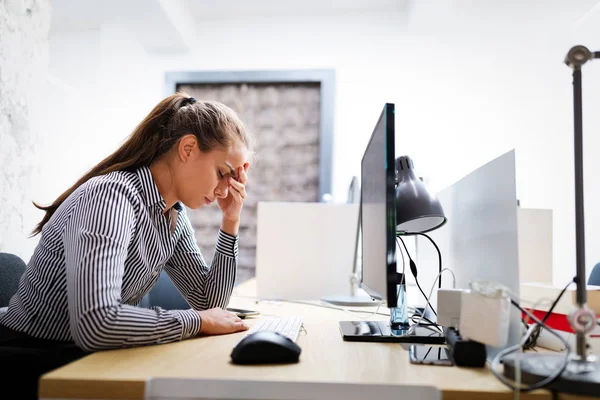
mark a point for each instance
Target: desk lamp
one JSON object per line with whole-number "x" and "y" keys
{"x": 581, "y": 374}
{"x": 418, "y": 211}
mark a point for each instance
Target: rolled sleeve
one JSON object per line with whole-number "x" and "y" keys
{"x": 227, "y": 244}
{"x": 190, "y": 322}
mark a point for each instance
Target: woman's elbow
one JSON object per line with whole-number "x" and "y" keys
{"x": 89, "y": 336}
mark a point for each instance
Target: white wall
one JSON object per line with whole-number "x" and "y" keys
{"x": 24, "y": 27}
{"x": 468, "y": 83}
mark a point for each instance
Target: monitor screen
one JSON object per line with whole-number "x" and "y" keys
{"x": 378, "y": 212}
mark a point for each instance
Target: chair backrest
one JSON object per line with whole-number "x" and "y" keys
{"x": 165, "y": 295}
{"x": 594, "y": 278}
{"x": 11, "y": 269}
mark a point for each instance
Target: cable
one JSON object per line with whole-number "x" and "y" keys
{"x": 428, "y": 324}
{"x": 497, "y": 359}
{"x": 538, "y": 330}
{"x": 426, "y": 298}
{"x": 368, "y": 316}
{"x": 517, "y": 393}
{"x": 403, "y": 267}
{"x": 413, "y": 269}
{"x": 436, "y": 248}
{"x": 412, "y": 328}
{"x": 332, "y": 307}
{"x": 402, "y": 255}
{"x": 531, "y": 340}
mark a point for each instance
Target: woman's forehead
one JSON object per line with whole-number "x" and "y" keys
{"x": 236, "y": 156}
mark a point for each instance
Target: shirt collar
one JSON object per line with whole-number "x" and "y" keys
{"x": 150, "y": 191}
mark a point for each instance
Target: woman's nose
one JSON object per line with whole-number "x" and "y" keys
{"x": 222, "y": 190}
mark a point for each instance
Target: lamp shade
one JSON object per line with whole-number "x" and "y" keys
{"x": 417, "y": 209}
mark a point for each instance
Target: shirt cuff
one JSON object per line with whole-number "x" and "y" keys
{"x": 190, "y": 322}
{"x": 227, "y": 244}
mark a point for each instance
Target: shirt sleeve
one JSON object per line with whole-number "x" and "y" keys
{"x": 96, "y": 239}
{"x": 202, "y": 286}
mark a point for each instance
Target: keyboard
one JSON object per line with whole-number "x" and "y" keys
{"x": 287, "y": 326}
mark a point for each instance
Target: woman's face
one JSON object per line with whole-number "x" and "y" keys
{"x": 201, "y": 178}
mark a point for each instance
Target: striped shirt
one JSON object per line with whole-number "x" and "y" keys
{"x": 101, "y": 252}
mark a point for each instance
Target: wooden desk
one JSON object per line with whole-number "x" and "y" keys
{"x": 325, "y": 357}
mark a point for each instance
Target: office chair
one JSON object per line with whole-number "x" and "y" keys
{"x": 165, "y": 295}
{"x": 594, "y": 278}
{"x": 11, "y": 269}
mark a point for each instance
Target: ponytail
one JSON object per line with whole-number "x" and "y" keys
{"x": 214, "y": 125}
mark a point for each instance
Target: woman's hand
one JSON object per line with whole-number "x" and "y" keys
{"x": 231, "y": 206}
{"x": 217, "y": 321}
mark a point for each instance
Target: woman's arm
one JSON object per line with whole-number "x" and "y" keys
{"x": 96, "y": 240}
{"x": 203, "y": 287}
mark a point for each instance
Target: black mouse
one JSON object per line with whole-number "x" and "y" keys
{"x": 265, "y": 347}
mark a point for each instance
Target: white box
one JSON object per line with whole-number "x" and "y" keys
{"x": 448, "y": 307}
{"x": 484, "y": 319}
{"x": 304, "y": 251}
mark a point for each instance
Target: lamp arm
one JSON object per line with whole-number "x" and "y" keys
{"x": 575, "y": 58}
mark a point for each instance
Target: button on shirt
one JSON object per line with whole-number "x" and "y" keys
{"x": 101, "y": 253}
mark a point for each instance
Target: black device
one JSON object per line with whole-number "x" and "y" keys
{"x": 465, "y": 353}
{"x": 241, "y": 313}
{"x": 377, "y": 210}
{"x": 429, "y": 355}
{"x": 265, "y": 347}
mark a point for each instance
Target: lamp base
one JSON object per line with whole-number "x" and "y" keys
{"x": 353, "y": 301}
{"x": 579, "y": 378}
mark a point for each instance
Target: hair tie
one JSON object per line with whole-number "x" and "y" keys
{"x": 188, "y": 101}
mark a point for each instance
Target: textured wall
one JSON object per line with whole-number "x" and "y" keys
{"x": 285, "y": 119}
{"x": 24, "y": 28}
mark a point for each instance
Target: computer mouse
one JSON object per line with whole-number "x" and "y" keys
{"x": 265, "y": 347}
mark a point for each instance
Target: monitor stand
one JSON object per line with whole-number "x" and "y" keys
{"x": 382, "y": 331}
{"x": 396, "y": 329}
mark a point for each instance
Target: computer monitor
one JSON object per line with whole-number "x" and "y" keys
{"x": 378, "y": 237}
{"x": 378, "y": 211}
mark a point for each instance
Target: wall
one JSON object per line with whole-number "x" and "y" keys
{"x": 469, "y": 84}
{"x": 24, "y": 27}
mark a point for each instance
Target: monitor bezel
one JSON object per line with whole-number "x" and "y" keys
{"x": 387, "y": 115}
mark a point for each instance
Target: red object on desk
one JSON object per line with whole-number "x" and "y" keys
{"x": 556, "y": 321}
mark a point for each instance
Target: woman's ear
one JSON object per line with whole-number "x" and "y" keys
{"x": 186, "y": 147}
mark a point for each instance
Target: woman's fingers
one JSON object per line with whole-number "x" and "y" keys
{"x": 240, "y": 326}
{"x": 238, "y": 188}
{"x": 242, "y": 175}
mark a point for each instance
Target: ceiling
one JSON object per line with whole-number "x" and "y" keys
{"x": 239, "y": 9}
{"x": 173, "y": 25}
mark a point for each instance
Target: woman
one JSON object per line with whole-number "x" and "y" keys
{"x": 105, "y": 241}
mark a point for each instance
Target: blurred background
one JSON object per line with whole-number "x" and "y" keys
{"x": 471, "y": 79}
